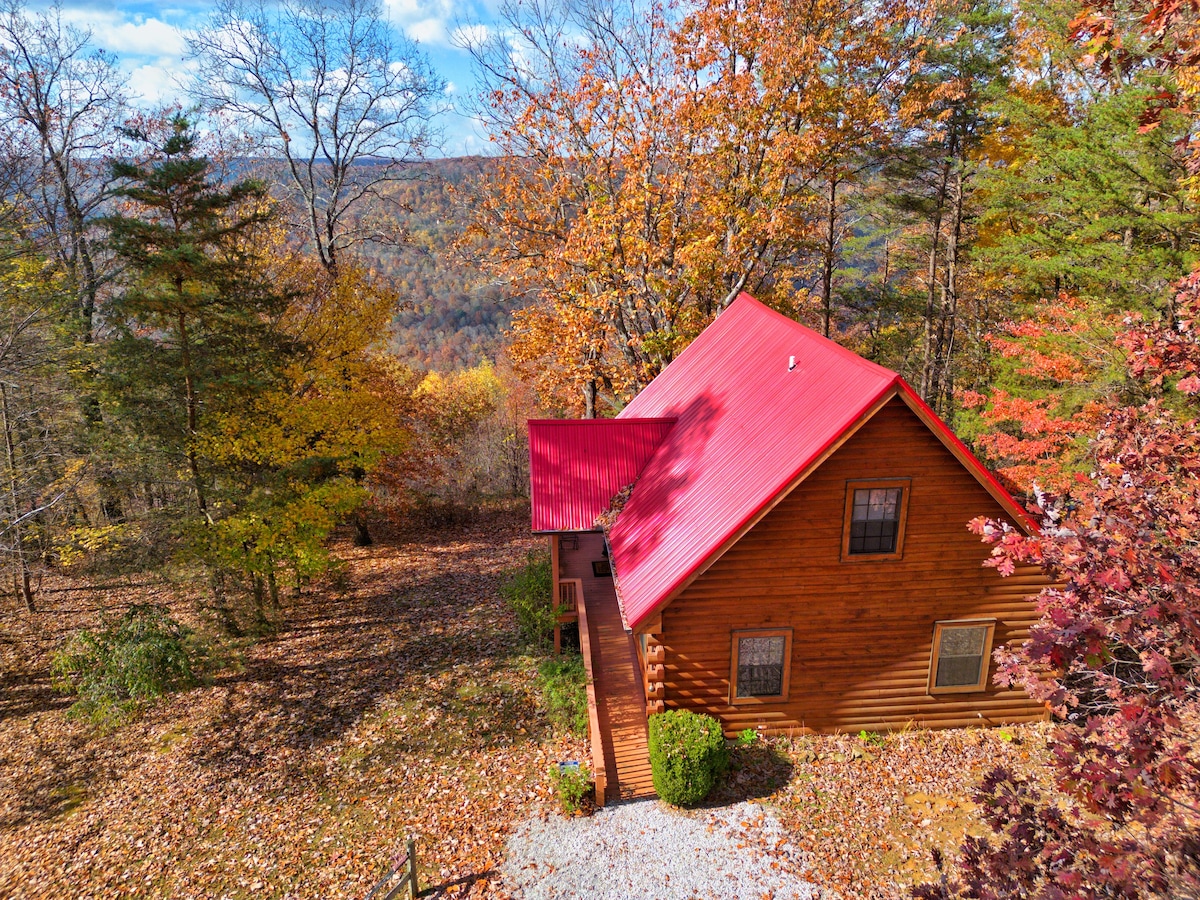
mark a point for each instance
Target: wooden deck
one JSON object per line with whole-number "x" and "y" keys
{"x": 617, "y": 701}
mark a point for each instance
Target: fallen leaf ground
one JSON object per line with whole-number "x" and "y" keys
{"x": 395, "y": 701}
{"x": 869, "y": 812}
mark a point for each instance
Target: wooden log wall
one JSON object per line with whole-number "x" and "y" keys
{"x": 862, "y": 630}
{"x": 655, "y": 674}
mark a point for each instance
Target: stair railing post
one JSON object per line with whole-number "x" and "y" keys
{"x": 412, "y": 868}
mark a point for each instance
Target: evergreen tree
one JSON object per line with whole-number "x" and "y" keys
{"x": 1093, "y": 205}
{"x": 193, "y": 320}
{"x": 947, "y": 116}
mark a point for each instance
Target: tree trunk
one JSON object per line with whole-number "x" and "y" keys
{"x": 189, "y": 384}
{"x": 829, "y": 252}
{"x": 589, "y": 399}
{"x": 225, "y": 617}
{"x": 362, "y": 534}
{"x": 949, "y": 322}
{"x": 929, "y": 368}
{"x": 273, "y": 591}
{"x": 22, "y": 580}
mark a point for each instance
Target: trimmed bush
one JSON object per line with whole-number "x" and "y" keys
{"x": 564, "y": 693}
{"x": 687, "y": 755}
{"x": 140, "y": 657}
{"x": 528, "y": 591}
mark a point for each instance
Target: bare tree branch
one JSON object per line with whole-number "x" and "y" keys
{"x": 329, "y": 89}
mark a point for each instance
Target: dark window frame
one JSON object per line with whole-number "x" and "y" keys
{"x": 601, "y": 568}
{"x": 981, "y": 683}
{"x": 904, "y": 485}
{"x": 734, "y": 698}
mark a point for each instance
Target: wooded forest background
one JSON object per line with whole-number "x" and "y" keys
{"x": 229, "y": 326}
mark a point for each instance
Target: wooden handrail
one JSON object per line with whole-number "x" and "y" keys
{"x": 599, "y": 775}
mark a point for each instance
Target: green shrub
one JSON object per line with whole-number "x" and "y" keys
{"x": 687, "y": 755}
{"x": 572, "y": 784}
{"x": 528, "y": 591}
{"x": 563, "y": 681}
{"x": 141, "y": 656}
{"x": 747, "y": 737}
{"x": 870, "y": 737}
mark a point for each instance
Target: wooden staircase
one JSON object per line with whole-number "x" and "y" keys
{"x": 616, "y": 701}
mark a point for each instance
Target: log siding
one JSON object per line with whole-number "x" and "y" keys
{"x": 862, "y": 631}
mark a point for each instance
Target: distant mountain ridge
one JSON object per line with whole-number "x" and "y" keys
{"x": 451, "y": 315}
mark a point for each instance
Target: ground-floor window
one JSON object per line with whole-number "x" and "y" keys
{"x": 961, "y": 649}
{"x": 761, "y": 665}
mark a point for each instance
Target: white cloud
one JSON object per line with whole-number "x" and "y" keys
{"x": 156, "y": 83}
{"x": 150, "y": 49}
{"x": 469, "y": 35}
{"x": 431, "y": 22}
{"x": 138, "y": 36}
{"x": 428, "y": 31}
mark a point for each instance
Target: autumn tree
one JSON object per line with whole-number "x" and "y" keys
{"x": 335, "y": 93}
{"x": 796, "y": 110}
{"x": 300, "y": 456}
{"x": 1121, "y": 38}
{"x": 586, "y": 208}
{"x": 273, "y": 401}
{"x": 39, "y": 468}
{"x": 468, "y": 444}
{"x": 659, "y": 162}
{"x": 1115, "y": 654}
{"x": 61, "y": 103}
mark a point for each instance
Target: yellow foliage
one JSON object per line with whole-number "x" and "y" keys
{"x": 343, "y": 399}
{"x": 655, "y": 169}
{"x": 87, "y": 540}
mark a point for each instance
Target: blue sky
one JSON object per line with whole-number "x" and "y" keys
{"x": 151, "y": 41}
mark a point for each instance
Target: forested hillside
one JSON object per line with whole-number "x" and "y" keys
{"x": 453, "y": 313}
{"x": 264, "y": 322}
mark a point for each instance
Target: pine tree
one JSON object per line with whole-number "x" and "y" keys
{"x": 193, "y": 320}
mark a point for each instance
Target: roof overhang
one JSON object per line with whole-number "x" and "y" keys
{"x": 899, "y": 388}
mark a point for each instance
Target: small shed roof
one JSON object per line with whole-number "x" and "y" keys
{"x": 577, "y": 466}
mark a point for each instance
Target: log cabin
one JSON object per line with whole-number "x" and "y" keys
{"x": 774, "y": 532}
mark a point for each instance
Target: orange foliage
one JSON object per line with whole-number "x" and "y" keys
{"x": 653, "y": 169}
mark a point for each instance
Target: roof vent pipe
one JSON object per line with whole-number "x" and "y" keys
{"x": 791, "y": 363}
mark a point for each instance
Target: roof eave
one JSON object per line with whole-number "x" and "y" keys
{"x": 969, "y": 461}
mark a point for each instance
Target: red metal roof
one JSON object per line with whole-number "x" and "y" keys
{"x": 577, "y": 466}
{"x": 748, "y": 425}
{"x": 747, "y": 410}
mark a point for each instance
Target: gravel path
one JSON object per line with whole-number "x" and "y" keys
{"x": 646, "y": 849}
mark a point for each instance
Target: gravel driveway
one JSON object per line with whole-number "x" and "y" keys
{"x": 646, "y": 849}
